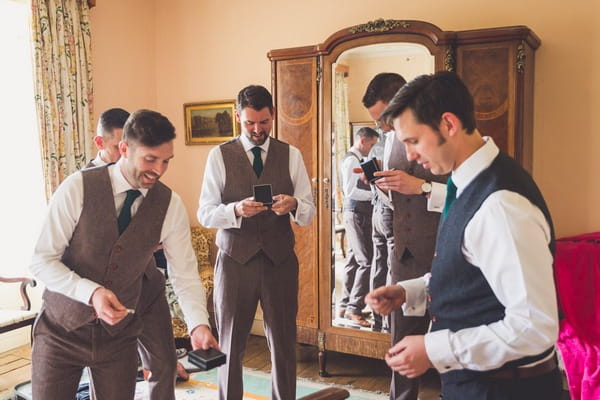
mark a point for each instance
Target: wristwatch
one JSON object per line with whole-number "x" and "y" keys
{"x": 426, "y": 188}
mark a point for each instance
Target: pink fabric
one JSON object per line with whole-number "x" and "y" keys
{"x": 577, "y": 268}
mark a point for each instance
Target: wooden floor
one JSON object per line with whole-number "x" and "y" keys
{"x": 15, "y": 367}
{"x": 359, "y": 372}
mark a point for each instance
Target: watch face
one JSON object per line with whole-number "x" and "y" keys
{"x": 426, "y": 187}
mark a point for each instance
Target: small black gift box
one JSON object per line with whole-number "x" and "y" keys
{"x": 207, "y": 359}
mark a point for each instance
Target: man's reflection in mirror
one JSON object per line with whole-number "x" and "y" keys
{"x": 357, "y": 213}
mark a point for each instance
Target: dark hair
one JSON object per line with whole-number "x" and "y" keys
{"x": 367, "y": 132}
{"x": 382, "y": 87}
{"x": 429, "y": 96}
{"x": 110, "y": 120}
{"x": 148, "y": 128}
{"x": 254, "y": 96}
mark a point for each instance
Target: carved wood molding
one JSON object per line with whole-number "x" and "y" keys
{"x": 380, "y": 25}
{"x": 450, "y": 59}
{"x": 521, "y": 57}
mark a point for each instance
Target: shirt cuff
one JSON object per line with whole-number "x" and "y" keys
{"x": 233, "y": 222}
{"x": 301, "y": 215}
{"x": 437, "y": 198}
{"x": 415, "y": 304}
{"x": 437, "y": 346}
{"x": 200, "y": 319}
{"x": 85, "y": 289}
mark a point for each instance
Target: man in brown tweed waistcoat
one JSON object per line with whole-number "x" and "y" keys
{"x": 256, "y": 260}
{"x": 97, "y": 264}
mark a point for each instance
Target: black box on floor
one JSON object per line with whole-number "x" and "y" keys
{"x": 207, "y": 359}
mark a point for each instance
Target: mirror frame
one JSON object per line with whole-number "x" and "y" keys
{"x": 376, "y": 32}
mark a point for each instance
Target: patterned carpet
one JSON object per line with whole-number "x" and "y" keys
{"x": 257, "y": 386}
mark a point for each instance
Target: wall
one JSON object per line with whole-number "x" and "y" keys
{"x": 124, "y": 55}
{"x": 207, "y": 50}
{"x": 362, "y": 68}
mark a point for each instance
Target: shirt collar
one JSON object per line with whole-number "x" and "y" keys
{"x": 356, "y": 152}
{"x": 474, "y": 165}
{"x": 119, "y": 183}
{"x": 98, "y": 161}
{"x": 248, "y": 145}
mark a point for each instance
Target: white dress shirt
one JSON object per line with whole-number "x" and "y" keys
{"x": 350, "y": 178}
{"x": 507, "y": 239}
{"x": 213, "y": 213}
{"x": 63, "y": 215}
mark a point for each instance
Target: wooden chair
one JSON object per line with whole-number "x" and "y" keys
{"x": 13, "y": 319}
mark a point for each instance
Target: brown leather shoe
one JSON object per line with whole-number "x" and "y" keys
{"x": 358, "y": 319}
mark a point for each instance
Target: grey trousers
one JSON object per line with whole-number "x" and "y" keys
{"x": 357, "y": 271}
{"x": 403, "y": 388}
{"x": 238, "y": 290}
{"x": 58, "y": 358}
{"x": 383, "y": 248}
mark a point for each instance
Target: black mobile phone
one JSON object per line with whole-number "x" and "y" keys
{"x": 264, "y": 194}
{"x": 369, "y": 167}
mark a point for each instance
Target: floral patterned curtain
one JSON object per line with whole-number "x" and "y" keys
{"x": 341, "y": 132}
{"x": 63, "y": 86}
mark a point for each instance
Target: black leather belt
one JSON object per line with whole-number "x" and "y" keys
{"x": 526, "y": 372}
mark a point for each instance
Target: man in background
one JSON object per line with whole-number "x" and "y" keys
{"x": 108, "y": 135}
{"x": 357, "y": 214}
{"x": 256, "y": 260}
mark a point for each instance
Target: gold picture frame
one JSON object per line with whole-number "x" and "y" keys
{"x": 210, "y": 123}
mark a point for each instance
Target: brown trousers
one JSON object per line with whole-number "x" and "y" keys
{"x": 238, "y": 289}
{"x": 109, "y": 358}
{"x": 59, "y": 356}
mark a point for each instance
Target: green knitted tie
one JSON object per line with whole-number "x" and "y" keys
{"x": 257, "y": 164}
{"x": 125, "y": 215}
{"x": 450, "y": 196}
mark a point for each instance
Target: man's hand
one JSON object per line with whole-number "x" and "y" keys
{"x": 409, "y": 357}
{"x": 182, "y": 373}
{"x": 363, "y": 177}
{"x": 202, "y": 338}
{"x": 399, "y": 181}
{"x": 248, "y": 208}
{"x": 386, "y": 299}
{"x": 284, "y": 204}
{"x": 107, "y": 306}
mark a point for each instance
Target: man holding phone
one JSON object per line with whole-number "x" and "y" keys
{"x": 418, "y": 198}
{"x": 256, "y": 260}
{"x": 357, "y": 211}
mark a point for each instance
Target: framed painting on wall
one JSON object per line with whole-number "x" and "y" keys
{"x": 210, "y": 123}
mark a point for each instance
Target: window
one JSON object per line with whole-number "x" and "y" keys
{"x": 22, "y": 202}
